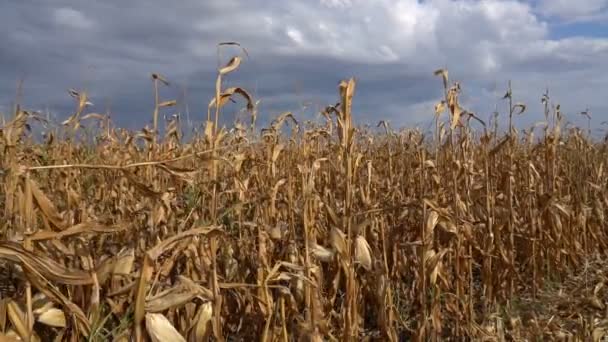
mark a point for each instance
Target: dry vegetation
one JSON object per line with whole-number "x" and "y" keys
{"x": 303, "y": 231}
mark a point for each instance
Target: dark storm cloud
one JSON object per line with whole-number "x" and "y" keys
{"x": 111, "y": 49}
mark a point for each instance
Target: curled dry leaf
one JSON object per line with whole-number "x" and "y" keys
{"x": 456, "y": 113}
{"x": 156, "y": 251}
{"x": 322, "y": 253}
{"x": 53, "y": 317}
{"x": 203, "y": 320}
{"x": 337, "y": 239}
{"x": 43, "y": 266}
{"x": 363, "y": 253}
{"x": 227, "y": 95}
{"x": 124, "y": 262}
{"x": 46, "y": 206}
{"x": 81, "y": 228}
{"x": 433, "y": 263}
{"x": 161, "y": 330}
{"x": 444, "y": 75}
{"x": 596, "y": 303}
{"x": 440, "y": 107}
{"x": 156, "y": 76}
{"x": 51, "y": 292}
{"x": 448, "y": 226}
{"x": 520, "y": 107}
{"x": 278, "y": 122}
{"x": 232, "y": 65}
{"x": 185, "y": 292}
{"x": 275, "y": 232}
{"x": 145, "y": 189}
{"x": 273, "y": 197}
{"x": 598, "y": 334}
{"x": 185, "y": 174}
{"x": 431, "y": 223}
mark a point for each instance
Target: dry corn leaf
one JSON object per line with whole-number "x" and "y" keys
{"x": 145, "y": 274}
{"x": 596, "y": 303}
{"x": 211, "y": 231}
{"x": 81, "y": 228}
{"x": 337, "y": 239}
{"x": 185, "y": 174}
{"x": 104, "y": 268}
{"x": 232, "y": 65}
{"x": 432, "y": 260}
{"x": 440, "y": 107}
{"x": 43, "y": 266}
{"x": 273, "y": 197}
{"x": 275, "y": 232}
{"x": 17, "y": 319}
{"x": 598, "y": 334}
{"x": 177, "y": 296}
{"x": 156, "y": 76}
{"x": 278, "y": 122}
{"x": 363, "y": 253}
{"x": 456, "y": 113}
{"x": 124, "y": 262}
{"x": 53, "y": 317}
{"x": 444, "y": 75}
{"x": 147, "y": 268}
{"x": 322, "y": 253}
{"x": 51, "y": 292}
{"x": 93, "y": 116}
{"x": 429, "y": 228}
{"x": 46, "y": 206}
{"x": 146, "y": 190}
{"x": 227, "y": 95}
{"x": 169, "y": 103}
{"x": 161, "y": 330}
{"x": 276, "y": 151}
{"x": 520, "y": 106}
{"x": 203, "y": 319}
{"x": 40, "y": 304}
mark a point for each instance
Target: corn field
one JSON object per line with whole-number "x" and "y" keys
{"x": 303, "y": 231}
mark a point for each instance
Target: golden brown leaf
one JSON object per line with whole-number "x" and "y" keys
{"x": 161, "y": 330}
{"x": 363, "y": 253}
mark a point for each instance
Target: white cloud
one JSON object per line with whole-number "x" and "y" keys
{"x": 385, "y": 31}
{"x": 336, "y": 3}
{"x": 480, "y": 42}
{"x": 386, "y": 53}
{"x": 295, "y": 35}
{"x": 71, "y": 18}
{"x": 573, "y": 10}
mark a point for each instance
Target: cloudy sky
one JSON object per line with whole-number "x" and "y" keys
{"x": 300, "y": 50}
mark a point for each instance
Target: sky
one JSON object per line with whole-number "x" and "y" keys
{"x": 298, "y": 51}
